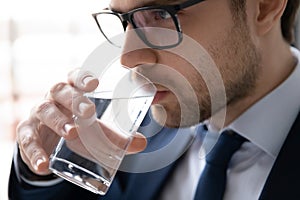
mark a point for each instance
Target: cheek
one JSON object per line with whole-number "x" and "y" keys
{"x": 189, "y": 71}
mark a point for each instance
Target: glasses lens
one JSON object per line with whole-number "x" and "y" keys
{"x": 156, "y": 26}
{"x": 112, "y": 28}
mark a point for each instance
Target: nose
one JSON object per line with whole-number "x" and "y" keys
{"x": 136, "y": 52}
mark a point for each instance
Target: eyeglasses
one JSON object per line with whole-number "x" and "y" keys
{"x": 157, "y": 26}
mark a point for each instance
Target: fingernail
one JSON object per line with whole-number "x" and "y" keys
{"x": 70, "y": 131}
{"x": 84, "y": 107}
{"x": 87, "y": 79}
{"x": 90, "y": 82}
{"x": 37, "y": 164}
{"x": 67, "y": 128}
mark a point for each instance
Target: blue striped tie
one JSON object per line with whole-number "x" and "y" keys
{"x": 211, "y": 185}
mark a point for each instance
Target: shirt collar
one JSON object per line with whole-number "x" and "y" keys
{"x": 267, "y": 123}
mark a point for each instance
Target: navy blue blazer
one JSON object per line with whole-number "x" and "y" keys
{"x": 283, "y": 181}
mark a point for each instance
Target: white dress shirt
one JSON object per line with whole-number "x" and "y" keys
{"x": 266, "y": 125}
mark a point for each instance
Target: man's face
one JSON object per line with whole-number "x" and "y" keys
{"x": 190, "y": 86}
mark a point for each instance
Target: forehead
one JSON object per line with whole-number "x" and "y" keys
{"x": 126, "y": 5}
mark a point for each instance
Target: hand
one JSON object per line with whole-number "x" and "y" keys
{"x": 51, "y": 119}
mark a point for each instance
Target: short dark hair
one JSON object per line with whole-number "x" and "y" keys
{"x": 288, "y": 18}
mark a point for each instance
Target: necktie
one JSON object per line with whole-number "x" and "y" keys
{"x": 212, "y": 181}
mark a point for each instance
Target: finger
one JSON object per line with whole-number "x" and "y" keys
{"x": 41, "y": 166}
{"x": 138, "y": 144}
{"x": 83, "y": 80}
{"x": 49, "y": 114}
{"x": 31, "y": 150}
{"x": 72, "y": 99}
{"x": 99, "y": 143}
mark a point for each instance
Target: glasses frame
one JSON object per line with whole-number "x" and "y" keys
{"x": 126, "y": 18}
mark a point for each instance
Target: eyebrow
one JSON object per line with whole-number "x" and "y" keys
{"x": 163, "y": 2}
{"x": 154, "y": 3}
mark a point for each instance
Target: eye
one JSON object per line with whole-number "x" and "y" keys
{"x": 162, "y": 14}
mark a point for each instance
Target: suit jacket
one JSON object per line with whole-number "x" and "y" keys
{"x": 283, "y": 181}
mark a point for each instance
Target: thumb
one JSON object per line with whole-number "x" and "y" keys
{"x": 138, "y": 144}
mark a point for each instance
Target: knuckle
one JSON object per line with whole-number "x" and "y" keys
{"x": 57, "y": 87}
{"x": 20, "y": 125}
{"x": 58, "y": 122}
{"x": 49, "y": 114}
{"x": 26, "y": 141}
{"x": 77, "y": 96}
{"x": 34, "y": 153}
{"x": 44, "y": 107}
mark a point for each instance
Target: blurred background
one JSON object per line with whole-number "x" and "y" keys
{"x": 40, "y": 42}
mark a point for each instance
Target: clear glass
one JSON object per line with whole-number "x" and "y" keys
{"x": 122, "y": 100}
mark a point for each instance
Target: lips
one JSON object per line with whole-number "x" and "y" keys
{"x": 160, "y": 96}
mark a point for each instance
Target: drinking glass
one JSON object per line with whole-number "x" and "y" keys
{"x": 91, "y": 161}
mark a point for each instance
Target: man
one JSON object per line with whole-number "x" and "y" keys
{"x": 249, "y": 42}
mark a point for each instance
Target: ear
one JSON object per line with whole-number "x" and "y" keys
{"x": 269, "y": 14}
